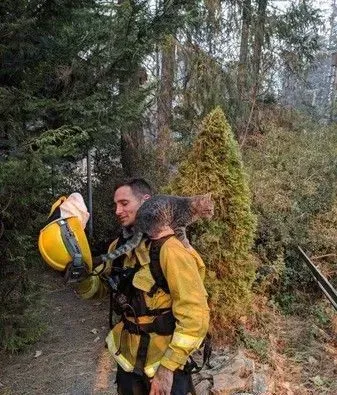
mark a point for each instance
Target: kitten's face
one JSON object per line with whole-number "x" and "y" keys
{"x": 204, "y": 206}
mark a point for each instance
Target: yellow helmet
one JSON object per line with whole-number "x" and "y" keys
{"x": 64, "y": 247}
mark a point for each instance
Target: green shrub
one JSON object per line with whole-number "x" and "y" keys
{"x": 258, "y": 345}
{"x": 293, "y": 177}
{"x": 214, "y": 165}
{"x": 24, "y": 197}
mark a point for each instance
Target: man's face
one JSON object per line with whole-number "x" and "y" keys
{"x": 127, "y": 205}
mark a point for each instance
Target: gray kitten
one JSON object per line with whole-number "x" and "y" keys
{"x": 161, "y": 211}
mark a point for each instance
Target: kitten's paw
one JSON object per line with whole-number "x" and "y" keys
{"x": 187, "y": 245}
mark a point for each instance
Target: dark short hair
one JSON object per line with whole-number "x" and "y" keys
{"x": 139, "y": 186}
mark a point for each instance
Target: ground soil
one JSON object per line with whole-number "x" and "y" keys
{"x": 70, "y": 358}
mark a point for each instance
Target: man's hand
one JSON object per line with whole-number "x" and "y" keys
{"x": 162, "y": 382}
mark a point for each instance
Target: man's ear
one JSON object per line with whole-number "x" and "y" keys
{"x": 146, "y": 197}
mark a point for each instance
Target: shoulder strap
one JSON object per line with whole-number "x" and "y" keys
{"x": 117, "y": 263}
{"x": 155, "y": 268}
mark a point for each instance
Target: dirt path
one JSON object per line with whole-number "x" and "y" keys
{"x": 71, "y": 357}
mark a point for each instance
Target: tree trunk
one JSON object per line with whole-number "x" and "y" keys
{"x": 132, "y": 134}
{"x": 243, "y": 59}
{"x": 165, "y": 101}
{"x": 257, "y": 48}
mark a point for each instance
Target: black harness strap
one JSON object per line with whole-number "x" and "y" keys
{"x": 191, "y": 366}
{"x": 111, "y": 310}
{"x": 142, "y": 353}
{"x": 155, "y": 267}
{"x": 164, "y": 322}
{"x": 117, "y": 263}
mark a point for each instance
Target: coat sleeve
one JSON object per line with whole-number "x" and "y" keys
{"x": 93, "y": 286}
{"x": 183, "y": 271}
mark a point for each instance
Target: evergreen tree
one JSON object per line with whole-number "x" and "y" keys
{"x": 68, "y": 82}
{"x": 39, "y": 50}
{"x": 214, "y": 165}
{"x": 234, "y": 53}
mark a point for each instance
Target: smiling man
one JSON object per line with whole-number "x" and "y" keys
{"x": 128, "y": 199}
{"x": 166, "y": 315}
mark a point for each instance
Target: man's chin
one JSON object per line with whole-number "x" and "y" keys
{"x": 125, "y": 224}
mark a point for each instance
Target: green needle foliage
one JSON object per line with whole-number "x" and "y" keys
{"x": 68, "y": 82}
{"x": 214, "y": 165}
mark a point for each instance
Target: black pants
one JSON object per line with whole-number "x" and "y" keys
{"x": 129, "y": 383}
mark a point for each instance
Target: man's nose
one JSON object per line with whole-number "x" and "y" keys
{"x": 118, "y": 210}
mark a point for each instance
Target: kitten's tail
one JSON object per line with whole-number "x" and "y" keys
{"x": 123, "y": 249}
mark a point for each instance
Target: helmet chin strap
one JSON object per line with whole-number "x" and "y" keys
{"x": 76, "y": 269}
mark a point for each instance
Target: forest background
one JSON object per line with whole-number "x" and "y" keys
{"x": 124, "y": 86}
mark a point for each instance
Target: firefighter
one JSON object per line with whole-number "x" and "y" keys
{"x": 159, "y": 293}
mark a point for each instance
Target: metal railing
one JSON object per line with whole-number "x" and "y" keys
{"x": 328, "y": 290}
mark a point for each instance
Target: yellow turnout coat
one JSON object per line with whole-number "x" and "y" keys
{"x": 184, "y": 271}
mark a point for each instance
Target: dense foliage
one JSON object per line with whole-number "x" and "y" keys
{"x": 66, "y": 85}
{"x": 293, "y": 172}
{"x": 214, "y": 164}
{"x": 130, "y": 81}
